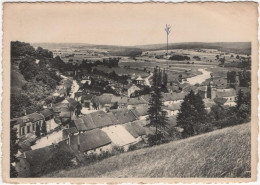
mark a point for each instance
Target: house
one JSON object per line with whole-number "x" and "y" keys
{"x": 139, "y": 80}
{"x": 120, "y": 136}
{"x": 86, "y": 101}
{"x": 103, "y": 101}
{"x": 135, "y": 102}
{"x": 92, "y": 121}
{"x": 135, "y": 129}
{"x": 123, "y": 116}
{"x": 229, "y": 94}
{"x": 141, "y": 111}
{"x": 121, "y": 101}
{"x": 132, "y": 90}
{"x": 27, "y": 124}
{"x": 172, "y": 98}
{"x": 68, "y": 132}
{"x": 94, "y": 141}
{"x": 172, "y": 109}
{"x": 208, "y": 104}
{"x": 86, "y": 80}
{"x": 48, "y": 115}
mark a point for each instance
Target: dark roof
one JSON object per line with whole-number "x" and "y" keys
{"x": 135, "y": 129}
{"x": 103, "y": 99}
{"x": 47, "y": 112}
{"x": 90, "y": 140}
{"x": 100, "y": 119}
{"x": 146, "y": 97}
{"x": 29, "y": 118}
{"x": 80, "y": 125}
{"x": 119, "y": 99}
{"x": 93, "y": 120}
{"x": 87, "y": 96}
{"x": 225, "y": 92}
{"x": 124, "y": 115}
{"x": 140, "y": 110}
{"x": 136, "y": 101}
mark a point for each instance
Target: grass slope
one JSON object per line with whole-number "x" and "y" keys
{"x": 222, "y": 153}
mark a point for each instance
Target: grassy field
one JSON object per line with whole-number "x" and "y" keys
{"x": 222, "y": 153}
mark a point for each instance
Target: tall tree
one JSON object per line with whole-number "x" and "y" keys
{"x": 157, "y": 116}
{"x": 37, "y": 131}
{"x": 192, "y": 113}
{"x": 13, "y": 151}
{"x": 44, "y": 128}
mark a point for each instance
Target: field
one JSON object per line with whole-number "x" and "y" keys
{"x": 221, "y": 153}
{"x": 123, "y": 71}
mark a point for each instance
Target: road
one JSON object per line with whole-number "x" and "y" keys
{"x": 74, "y": 88}
{"x": 146, "y": 80}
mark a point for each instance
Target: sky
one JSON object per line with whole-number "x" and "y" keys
{"x": 130, "y": 24}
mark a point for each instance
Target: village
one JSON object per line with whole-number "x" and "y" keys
{"x": 103, "y": 106}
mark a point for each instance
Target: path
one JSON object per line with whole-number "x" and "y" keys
{"x": 147, "y": 82}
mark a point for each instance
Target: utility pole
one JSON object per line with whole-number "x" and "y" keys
{"x": 168, "y": 31}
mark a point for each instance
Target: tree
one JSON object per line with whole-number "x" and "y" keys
{"x": 13, "y": 151}
{"x": 44, "y": 128}
{"x": 240, "y": 99}
{"x": 157, "y": 116}
{"x": 165, "y": 78}
{"x": 37, "y": 131}
{"x": 192, "y": 114}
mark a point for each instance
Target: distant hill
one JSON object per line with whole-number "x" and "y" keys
{"x": 235, "y": 47}
{"x": 221, "y": 153}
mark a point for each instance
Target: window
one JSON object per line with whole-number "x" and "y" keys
{"x": 22, "y": 131}
{"x": 28, "y": 128}
{"x": 33, "y": 127}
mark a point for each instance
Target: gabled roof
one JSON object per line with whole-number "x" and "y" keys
{"x": 119, "y": 135}
{"x": 139, "y": 78}
{"x": 91, "y": 140}
{"x": 87, "y": 96}
{"x": 80, "y": 125}
{"x": 103, "y": 99}
{"x": 100, "y": 119}
{"x": 135, "y": 129}
{"x": 225, "y": 93}
{"x": 47, "y": 112}
{"x": 119, "y": 99}
{"x": 173, "y": 96}
{"x": 29, "y": 118}
{"x": 146, "y": 97}
{"x": 123, "y": 115}
{"x": 136, "y": 101}
{"x": 140, "y": 110}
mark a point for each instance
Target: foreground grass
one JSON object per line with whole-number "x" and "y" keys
{"x": 222, "y": 153}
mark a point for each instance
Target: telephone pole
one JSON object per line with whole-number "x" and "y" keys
{"x": 168, "y": 31}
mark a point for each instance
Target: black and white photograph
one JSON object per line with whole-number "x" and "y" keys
{"x": 151, "y": 90}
